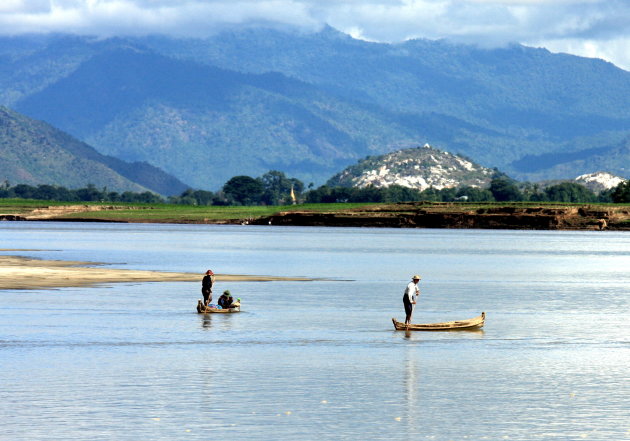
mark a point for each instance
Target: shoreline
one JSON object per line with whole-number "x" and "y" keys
{"x": 19, "y": 272}
{"x": 447, "y": 215}
{"x": 451, "y": 216}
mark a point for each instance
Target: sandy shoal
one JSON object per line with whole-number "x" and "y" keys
{"x": 25, "y": 273}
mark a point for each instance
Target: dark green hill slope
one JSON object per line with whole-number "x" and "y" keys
{"x": 32, "y": 152}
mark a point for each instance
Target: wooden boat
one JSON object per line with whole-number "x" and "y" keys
{"x": 201, "y": 309}
{"x": 470, "y": 324}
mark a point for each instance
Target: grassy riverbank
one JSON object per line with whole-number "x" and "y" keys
{"x": 516, "y": 215}
{"x": 159, "y": 213}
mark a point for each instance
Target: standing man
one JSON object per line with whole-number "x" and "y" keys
{"x": 412, "y": 292}
{"x": 206, "y": 287}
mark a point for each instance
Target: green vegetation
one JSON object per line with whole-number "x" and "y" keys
{"x": 504, "y": 189}
{"x": 172, "y": 213}
{"x": 274, "y": 186}
{"x": 621, "y": 193}
{"x": 243, "y": 102}
{"x": 162, "y": 212}
{"x": 501, "y": 190}
{"x": 34, "y": 152}
{"x": 88, "y": 194}
{"x": 17, "y": 205}
{"x": 244, "y": 190}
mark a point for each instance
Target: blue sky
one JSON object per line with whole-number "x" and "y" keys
{"x": 590, "y": 28}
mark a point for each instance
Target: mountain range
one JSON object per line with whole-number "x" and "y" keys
{"x": 245, "y": 102}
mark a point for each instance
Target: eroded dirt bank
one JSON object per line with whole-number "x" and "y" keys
{"x": 419, "y": 215}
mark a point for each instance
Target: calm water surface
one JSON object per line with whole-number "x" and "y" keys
{"x": 320, "y": 360}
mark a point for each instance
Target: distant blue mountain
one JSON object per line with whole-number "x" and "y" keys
{"x": 245, "y": 102}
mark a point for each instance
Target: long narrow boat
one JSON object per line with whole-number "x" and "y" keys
{"x": 201, "y": 309}
{"x": 470, "y": 324}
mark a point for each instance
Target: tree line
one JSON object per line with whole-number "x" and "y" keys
{"x": 501, "y": 189}
{"x": 275, "y": 188}
{"x": 90, "y": 193}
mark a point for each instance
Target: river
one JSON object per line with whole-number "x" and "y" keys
{"x": 320, "y": 360}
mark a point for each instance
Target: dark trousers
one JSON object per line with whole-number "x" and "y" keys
{"x": 207, "y": 295}
{"x": 408, "y": 307}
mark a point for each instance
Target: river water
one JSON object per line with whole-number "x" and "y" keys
{"x": 320, "y": 360}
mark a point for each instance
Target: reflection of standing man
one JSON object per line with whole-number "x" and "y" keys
{"x": 206, "y": 287}
{"x": 412, "y": 292}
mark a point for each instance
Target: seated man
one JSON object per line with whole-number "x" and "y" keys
{"x": 226, "y": 300}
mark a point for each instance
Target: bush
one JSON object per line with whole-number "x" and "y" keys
{"x": 504, "y": 190}
{"x": 621, "y": 193}
{"x": 569, "y": 192}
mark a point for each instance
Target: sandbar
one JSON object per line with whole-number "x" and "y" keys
{"x": 18, "y": 272}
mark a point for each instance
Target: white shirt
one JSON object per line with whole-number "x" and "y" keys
{"x": 412, "y": 291}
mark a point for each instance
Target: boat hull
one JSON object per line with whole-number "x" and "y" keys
{"x": 458, "y": 325}
{"x": 201, "y": 309}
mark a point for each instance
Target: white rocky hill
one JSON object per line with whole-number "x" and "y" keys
{"x": 599, "y": 181}
{"x": 418, "y": 168}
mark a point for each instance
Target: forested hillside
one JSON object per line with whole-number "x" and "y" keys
{"x": 310, "y": 104}
{"x": 32, "y": 152}
{"x": 205, "y": 124}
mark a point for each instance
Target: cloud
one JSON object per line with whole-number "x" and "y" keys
{"x": 596, "y": 28}
{"x": 134, "y": 17}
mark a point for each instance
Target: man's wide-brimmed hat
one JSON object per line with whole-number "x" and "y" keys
{"x": 227, "y": 292}
{"x": 416, "y": 277}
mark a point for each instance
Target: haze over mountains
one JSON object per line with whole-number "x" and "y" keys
{"x": 310, "y": 104}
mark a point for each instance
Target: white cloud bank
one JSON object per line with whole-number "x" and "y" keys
{"x": 591, "y": 28}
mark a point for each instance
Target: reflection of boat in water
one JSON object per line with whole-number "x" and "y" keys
{"x": 201, "y": 309}
{"x": 470, "y": 324}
